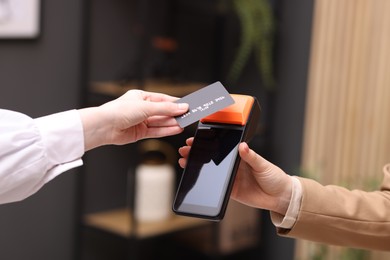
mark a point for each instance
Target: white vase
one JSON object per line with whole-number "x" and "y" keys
{"x": 154, "y": 186}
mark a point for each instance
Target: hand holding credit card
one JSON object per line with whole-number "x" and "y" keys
{"x": 204, "y": 102}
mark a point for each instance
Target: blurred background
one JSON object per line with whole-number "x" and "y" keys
{"x": 318, "y": 69}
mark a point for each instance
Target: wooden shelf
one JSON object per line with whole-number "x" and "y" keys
{"x": 119, "y": 222}
{"x": 116, "y": 89}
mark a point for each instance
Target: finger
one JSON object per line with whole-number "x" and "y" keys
{"x": 184, "y": 151}
{"x": 258, "y": 163}
{"x": 155, "y": 132}
{"x": 182, "y": 162}
{"x": 161, "y": 121}
{"x": 165, "y": 108}
{"x": 158, "y": 97}
{"x": 190, "y": 141}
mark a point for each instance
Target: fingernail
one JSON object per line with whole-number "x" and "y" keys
{"x": 246, "y": 147}
{"x": 182, "y": 106}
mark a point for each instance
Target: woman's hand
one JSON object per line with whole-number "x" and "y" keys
{"x": 258, "y": 183}
{"x": 135, "y": 115}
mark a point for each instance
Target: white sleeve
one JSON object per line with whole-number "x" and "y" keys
{"x": 287, "y": 221}
{"x": 34, "y": 151}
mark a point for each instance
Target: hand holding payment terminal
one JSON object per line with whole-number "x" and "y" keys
{"x": 205, "y": 187}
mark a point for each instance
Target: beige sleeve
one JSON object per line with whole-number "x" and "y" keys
{"x": 335, "y": 215}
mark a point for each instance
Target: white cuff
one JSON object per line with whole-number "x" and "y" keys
{"x": 63, "y": 138}
{"x": 58, "y": 169}
{"x": 288, "y": 221}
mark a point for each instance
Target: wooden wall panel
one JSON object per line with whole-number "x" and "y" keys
{"x": 347, "y": 121}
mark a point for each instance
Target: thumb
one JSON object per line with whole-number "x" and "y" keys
{"x": 254, "y": 160}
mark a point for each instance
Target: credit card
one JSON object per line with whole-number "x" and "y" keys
{"x": 204, "y": 102}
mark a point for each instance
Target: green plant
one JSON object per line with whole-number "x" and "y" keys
{"x": 257, "y": 37}
{"x": 354, "y": 254}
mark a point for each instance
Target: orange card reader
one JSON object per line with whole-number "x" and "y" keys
{"x": 206, "y": 183}
{"x": 236, "y": 114}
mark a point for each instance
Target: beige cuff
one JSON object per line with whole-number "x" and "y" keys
{"x": 288, "y": 221}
